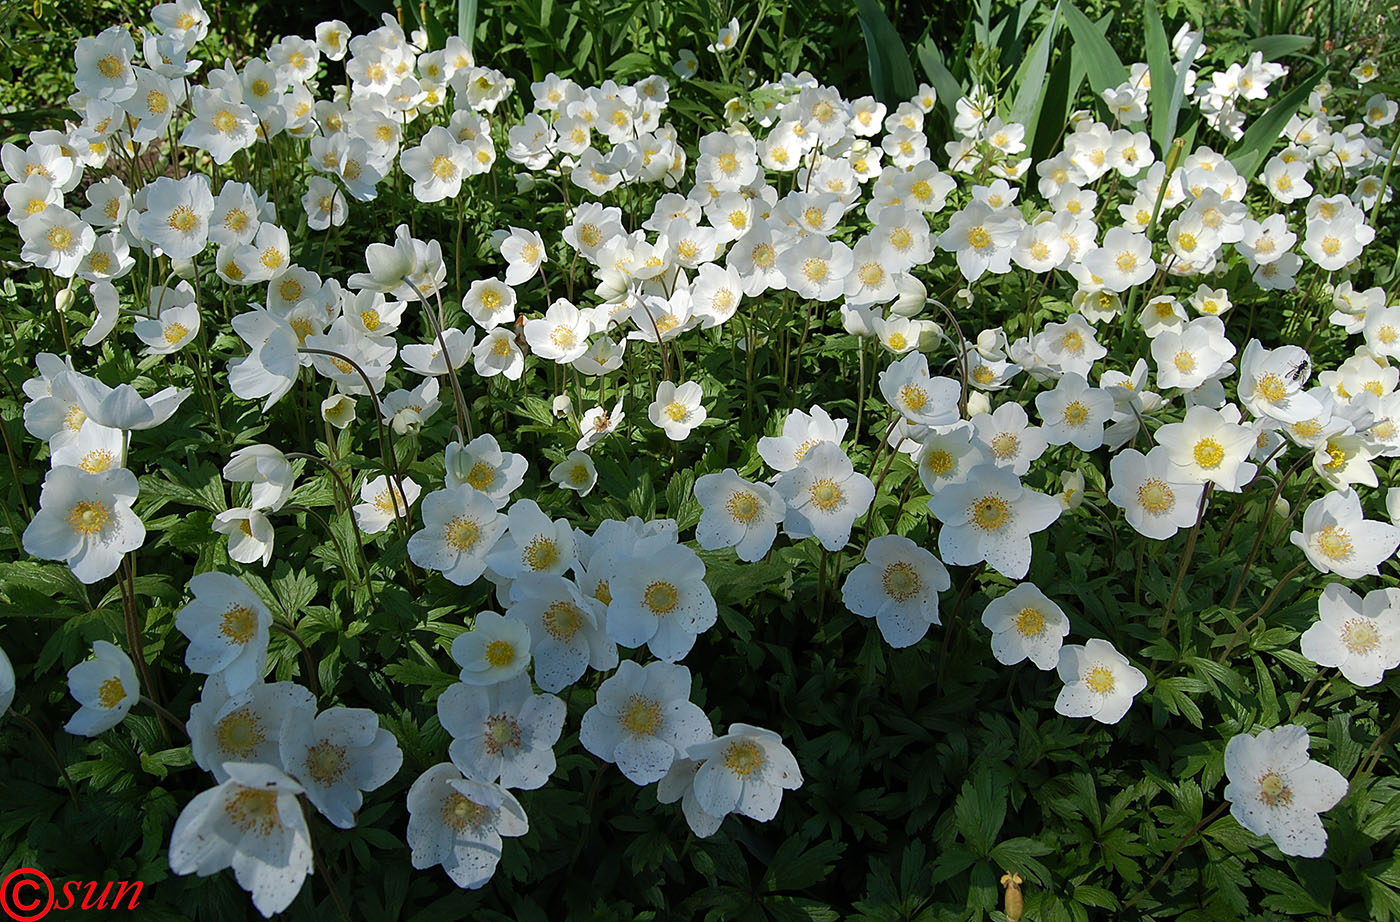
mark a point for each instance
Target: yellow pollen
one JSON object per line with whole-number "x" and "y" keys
{"x": 74, "y": 418}
{"x": 1126, "y": 261}
{"x": 225, "y": 122}
{"x": 743, "y": 507}
{"x": 677, "y": 411}
{"x": 871, "y": 274}
{"x": 239, "y": 624}
{"x": 1005, "y": 445}
{"x": 764, "y": 256}
{"x": 37, "y": 205}
{"x": 744, "y": 758}
{"x": 1076, "y": 414}
{"x": 1039, "y": 250}
{"x": 302, "y": 327}
{"x": 563, "y": 620}
{"x": 1360, "y": 635}
{"x": 499, "y": 653}
{"x": 541, "y": 553}
{"x": 1208, "y": 453}
{"x": 97, "y": 461}
{"x": 901, "y": 238}
{"x": 185, "y": 21}
{"x": 1274, "y": 791}
{"x": 826, "y": 494}
{"x": 642, "y": 716}
{"x": 1155, "y": 497}
{"x": 901, "y": 581}
{"x": 111, "y": 693}
{"x": 60, "y": 238}
{"x": 978, "y": 237}
{"x": 174, "y": 332}
{"x": 530, "y": 253}
{"x": 1100, "y": 679}
{"x": 351, "y": 170}
{"x": 157, "y": 103}
{"x": 110, "y": 67}
{"x": 325, "y": 763}
{"x": 1271, "y": 386}
{"x": 272, "y": 258}
{"x": 252, "y": 810}
{"x": 814, "y": 269}
{"x": 983, "y": 374}
{"x": 1186, "y": 241}
{"x": 913, "y": 397}
{"x": 502, "y": 733}
{"x": 443, "y": 167}
{"x": 661, "y": 597}
{"x": 989, "y": 513}
{"x": 1029, "y": 622}
{"x": 1331, "y": 245}
{"x": 728, "y": 163}
{"x": 260, "y": 88}
{"x": 462, "y": 533}
{"x": 240, "y": 733}
{"x": 897, "y": 341}
{"x": 481, "y": 476}
{"x": 500, "y": 345}
{"x": 89, "y": 517}
{"x": 463, "y": 814}
{"x": 183, "y": 219}
{"x": 1184, "y": 361}
{"x": 1334, "y": 542}
{"x": 1072, "y": 341}
{"x": 938, "y": 462}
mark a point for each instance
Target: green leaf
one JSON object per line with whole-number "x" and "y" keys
{"x": 466, "y": 21}
{"x": 1159, "y": 63}
{"x": 944, "y": 83}
{"x": 1260, "y": 136}
{"x": 1101, "y": 63}
{"x": 980, "y": 810}
{"x": 891, "y": 75}
{"x": 1273, "y": 47}
{"x": 1030, "y": 77}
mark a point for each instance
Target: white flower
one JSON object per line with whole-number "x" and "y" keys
{"x": 1207, "y": 447}
{"x": 267, "y": 469}
{"x": 1157, "y": 499}
{"x": 1276, "y": 790}
{"x": 490, "y": 303}
{"x": 460, "y": 526}
{"x": 227, "y": 626}
{"x": 85, "y": 520}
{"x": 736, "y": 513}
{"x": 1074, "y": 412}
{"x": 898, "y": 586}
{"x": 659, "y": 598}
{"x": 727, "y": 38}
{"x": 1124, "y": 260}
{"x": 106, "y": 687}
{"x": 244, "y": 727}
{"x": 499, "y": 354}
{"x": 1099, "y": 682}
{"x": 1361, "y": 637}
{"x": 824, "y": 496}
{"x": 1026, "y": 624}
{"x": 991, "y": 517}
{"x": 1013, "y": 442}
{"x": 336, "y": 757}
{"x": 923, "y": 400}
{"x": 565, "y": 628}
{"x": 502, "y": 732}
{"x": 494, "y": 650}
{"x": 253, "y": 823}
{"x": 533, "y": 543}
{"x": 121, "y": 407}
{"x": 800, "y": 432}
{"x": 459, "y": 824}
{"x": 250, "y": 534}
{"x": 745, "y": 771}
{"x": 643, "y": 720}
{"x": 576, "y": 472}
{"x": 1337, "y": 538}
{"x": 177, "y": 215}
{"x": 677, "y": 409}
{"x": 382, "y": 503}
{"x": 598, "y": 423}
{"x": 562, "y": 336}
{"x": 523, "y": 251}
{"x": 679, "y": 784}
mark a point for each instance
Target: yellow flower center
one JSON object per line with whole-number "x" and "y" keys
{"x": 676, "y": 411}
{"x": 502, "y": 733}
{"x": 464, "y": 814}
{"x": 325, "y": 763}
{"x": 744, "y": 758}
{"x": 225, "y": 122}
{"x": 901, "y": 581}
{"x": 563, "y": 620}
{"x": 1360, "y": 635}
{"x": 239, "y": 624}
{"x": 1005, "y": 445}
{"x": 897, "y": 341}
{"x": 97, "y": 461}
{"x": 989, "y": 513}
{"x": 826, "y": 494}
{"x": 1076, "y": 414}
{"x": 742, "y": 506}
{"x": 661, "y": 597}
{"x": 978, "y": 237}
{"x": 642, "y": 716}
{"x": 240, "y": 733}
{"x": 443, "y": 167}
{"x": 252, "y": 810}
{"x": 174, "y": 332}
{"x": 1334, "y": 542}
{"x": 1208, "y": 453}
{"x": 111, "y": 693}
{"x": 462, "y": 533}
{"x": 1100, "y": 679}
{"x": 500, "y": 653}
{"x": 1274, "y": 791}
{"x": 1127, "y": 261}
{"x": 183, "y": 219}
{"x": 1072, "y": 341}
{"x": 110, "y": 67}
{"x": 1272, "y": 387}
{"x": 541, "y": 553}
{"x": 88, "y": 517}
{"x": 60, "y": 238}
{"x": 938, "y": 462}
{"x": 1155, "y": 497}
{"x": 1184, "y": 361}
{"x": 1029, "y": 622}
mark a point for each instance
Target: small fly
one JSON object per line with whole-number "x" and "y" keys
{"x": 1296, "y": 372}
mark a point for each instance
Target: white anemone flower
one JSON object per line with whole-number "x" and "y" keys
{"x": 227, "y": 626}
{"x": 460, "y": 526}
{"x": 677, "y": 410}
{"x": 250, "y": 534}
{"x": 745, "y": 771}
{"x": 736, "y": 513}
{"x": 459, "y": 823}
{"x": 898, "y": 586}
{"x": 1338, "y": 538}
{"x": 660, "y": 599}
{"x": 1157, "y": 499}
{"x": 1099, "y": 682}
{"x": 382, "y": 502}
{"x": 253, "y": 823}
{"x": 576, "y": 472}
{"x": 533, "y": 543}
{"x": 106, "y": 687}
{"x": 1026, "y": 624}
{"x": 991, "y": 517}
{"x": 502, "y": 733}
{"x": 643, "y": 720}
{"x": 86, "y": 521}
{"x": 1359, "y": 636}
{"x": 800, "y": 432}
{"x": 824, "y": 495}
{"x": 494, "y": 650}
{"x": 338, "y": 756}
{"x": 566, "y": 629}
{"x": 1277, "y": 790}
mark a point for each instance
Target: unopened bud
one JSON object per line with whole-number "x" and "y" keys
{"x": 184, "y": 268}
{"x": 1015, "y": 903}
{"x": 1281, "y": 508}
{"x": 563, "y": 406}
{"x": 63, "y": 300}
{"x": 912, "y": 295}
{"x": 978, "y": 402}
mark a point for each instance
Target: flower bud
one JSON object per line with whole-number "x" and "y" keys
{"x": 912, "y": 295}
{"x": 338, "y": 410}
{"x": 978, "y": 402}
{"x": 63, "y": 300}
{"x": 1281, "y": 508}
{"x": 563, "y": 406}
{"x": 184, "y": 268}
{"x": 930, "y": 335}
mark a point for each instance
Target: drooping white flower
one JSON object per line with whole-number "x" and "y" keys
{"x": 502, "y": 733}
{"x": 1277, "y": 790}
{"x": 228, "y": 627}
{"x": 253, "y": 823}
{"x": 106, "y": 687}
{"x": 459, "y": 823}
{"x": 267, "y": 469}
{"x": 643, "y": 720}
{"x": 898, "y": 586}
{"x": 1026, "y": 624}
{"x": 1099, "y": 682}
{"x": 338, "y": 756}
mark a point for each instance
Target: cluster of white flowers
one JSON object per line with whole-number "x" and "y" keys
{"x": 805, "y": 194}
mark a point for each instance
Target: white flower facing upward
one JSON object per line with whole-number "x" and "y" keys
{"x": 576, "y": 472}
{"x": 459, "y": 824}
{"x": 745, "y": 771}
{"x": 85, "y": 520}
{"x": 1099, "y": 682}
{"x": 1359, "y": 636}
{"x": 1277, "y": 790}
{"x": 677, "y": 409}
{"x": 339, "y": 755}
{"x": 1338, "y": 538}
{"x": 660, "y": 599}
{"x": 494, "y": 650}
{"x": 252, "y": 823}
{"x": 1157, "y": 499}
{"x": 503, "y": 732}
{"x": 738, "y": 514}
{"x": 382, "y": 502}
{"x": 246, "y": 727}
{"x": 227, "y": 626}
{"x": 105, "y": 687}
{"x": 483, "y": 465}
{"x": 566, "y": 629}
{"x": 898, "y": 586}
{"x": 1026, "y": 624}
{"x": 824, "y": 495}
{"x": 460, "y": 525}
{"x": 643, "y": 720}
{"x": 991, "y": 517}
